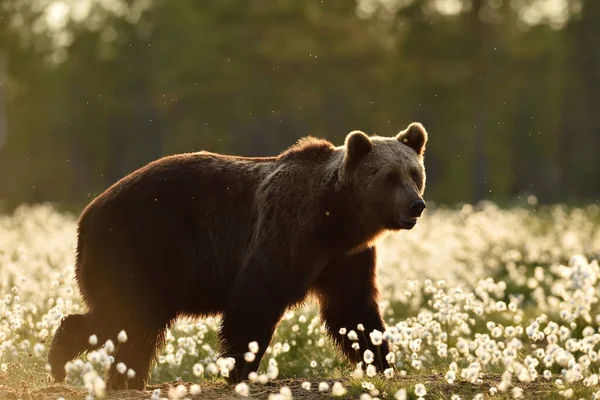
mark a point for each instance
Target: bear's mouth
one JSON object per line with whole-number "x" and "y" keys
{"x": 398, "y": 222}
{"x": 407, "y": 223}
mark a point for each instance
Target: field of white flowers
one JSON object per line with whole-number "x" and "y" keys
{"x": 479, "y": 303}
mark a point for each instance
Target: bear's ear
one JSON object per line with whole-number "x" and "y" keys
{"x": 357, "y": 146}
{"x": 415, "y": 137}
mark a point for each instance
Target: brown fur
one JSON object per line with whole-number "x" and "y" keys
{"x": 205, "y": 234}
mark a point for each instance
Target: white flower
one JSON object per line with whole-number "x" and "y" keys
{"x": 360, "y": 327}
{"x": 352, "y": 335}
{"x": 242, "y": 389}
{"x": 263, "y": 378}
{"x": 253, "y": 347}
{"x": 390, "y": 357}
{"x": 368, "y": 356}
{"x": 338, "y": 389}
{"x": 130, "y": 374}
{"x": 155, "y": 394}
{"x": 313, "y": 364}
{"x": 212, "y": 368}
{"x": 93, "y": 340}
{"x": 286, "y": 393}
{"x": 198, "y": 369}
{"x": 342, "y": 331}
{"x": 272, "y": 372}
{"x": 249, "y": 356}
{"x": 420, "y": 390}
{"x": 389, "y": 373}
{"x": 323, "y": 387}
{"x": 109, "y": 346}
{"x": 122, "y": 337}
{"x": 371, "y": 371}
{"x": 376, "y": 337}
{"x": 450, "y": 376}
{"x": 306, "y": 386}
{"x": 195, "y": 390}
{"x": 401, "y": 395}
{"x": 358, "y": 371}
{"x": 121, "y": 368}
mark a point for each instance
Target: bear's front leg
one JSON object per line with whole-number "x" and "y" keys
{"x": 348, "y": 297}
{"x": 257, "y": 301}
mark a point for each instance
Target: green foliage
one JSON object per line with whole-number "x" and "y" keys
{"x": 511, "y": 106}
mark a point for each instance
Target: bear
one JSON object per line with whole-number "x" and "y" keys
{"x": 244, "y": 238}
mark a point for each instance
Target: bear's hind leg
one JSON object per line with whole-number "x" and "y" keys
{"x": 137, "y": 353}
{"x": 70, "y": 340}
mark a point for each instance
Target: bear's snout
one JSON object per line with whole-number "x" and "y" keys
{"x": 416, "y": 208}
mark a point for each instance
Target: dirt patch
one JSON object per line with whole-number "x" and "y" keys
{"x": 210, "y": 391}
{"x": 436, "y": 386}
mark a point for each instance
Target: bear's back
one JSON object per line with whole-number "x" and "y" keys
{"x": 175, "y": 220}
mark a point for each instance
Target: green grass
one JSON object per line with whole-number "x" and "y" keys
{"x": 441, "y": 283}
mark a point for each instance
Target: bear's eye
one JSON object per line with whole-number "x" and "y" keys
{"x": 393, "y": 178}
{"x": 414, "y": 175}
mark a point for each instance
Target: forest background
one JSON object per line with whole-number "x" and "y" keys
{"x": 92, "y": 89}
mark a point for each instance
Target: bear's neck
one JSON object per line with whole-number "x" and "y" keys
{"x": 341, "y": 227}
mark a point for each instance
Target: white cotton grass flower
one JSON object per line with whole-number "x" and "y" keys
{"x": 198, "y": 370}
{"x": 390, "y": 358}
{"x": 401, "y": 395}
{"x": 338, "y": 389}
{"x": 177, "y": 392}
{"x": 242, "y": 389}
{"x": 249, "y": 356}
{"x": 155, "y": 395}
{"x": 253, "y": 376}
{"x": 389, "y": 373}
{"x": 420, "y": 390}
{"x": 306, "y": 386}
{"x": 358, "y": 372}
{"x": 93, "y": 340}
{"x": 517, "y": 393}
{"x": 342, "y": 331}
{"x": 253, "y": 347}
{"x": 122, "y": 337}
{"x": 371, "y": 371}
{"x": 360, "y": 327}
{"x": 109, "y": 346}
{"x": 376, "y": 337}
{"x": 368, "y": 356}
{"x": 195, "y": 390}
{"x": 121, "y": 368}
{"x": 272, "y": 369}
{"x": 212, "y": 368}
{"x": 130, "y": 373}
{"x": 450, "y": 376}
{"x": 323, "y": 387}
{"x": 352, "y": 335}
{"x": 285, "y": 393}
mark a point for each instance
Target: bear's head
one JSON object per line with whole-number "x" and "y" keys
{"x": 387, "y": 177}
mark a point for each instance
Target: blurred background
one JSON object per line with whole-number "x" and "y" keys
{"x": 509, "y": 90}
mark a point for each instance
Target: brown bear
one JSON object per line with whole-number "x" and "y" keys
{"x": 204, "y": 234}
